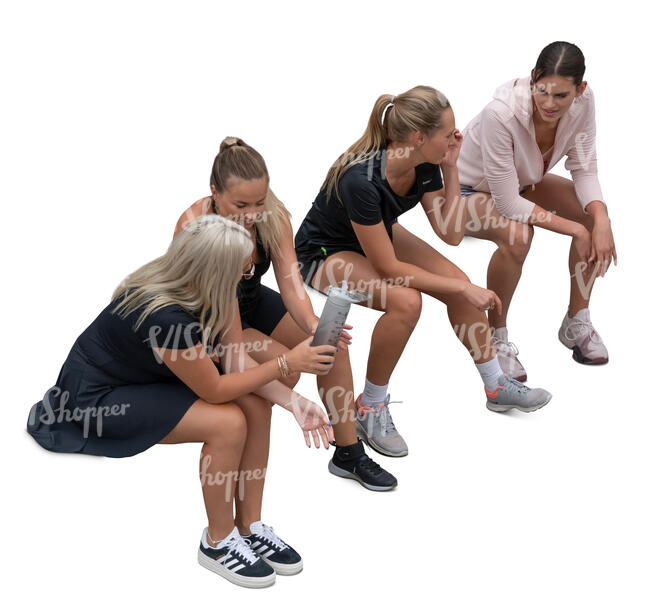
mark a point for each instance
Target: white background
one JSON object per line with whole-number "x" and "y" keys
{"x": 111, "y": 117}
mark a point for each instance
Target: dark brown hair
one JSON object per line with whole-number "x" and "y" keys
{"x": 560, "y": 59}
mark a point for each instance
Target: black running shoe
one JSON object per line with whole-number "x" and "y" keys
{"x": 280, "y": 555}
{"x": 234, "y": 560}
{"x": 352, "y": 462}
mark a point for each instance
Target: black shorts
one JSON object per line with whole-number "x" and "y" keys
{"x": 265, "y": 313}
{"x": 310, "y": 262}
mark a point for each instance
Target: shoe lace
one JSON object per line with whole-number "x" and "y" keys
{"x": 510, "y": 346}
{"x": 242, "y": 546}
{"x": 385, "y": 420}
{"x": 268, "y": 534}
{"x": 580, "y": 327}
{"x": 365, "y": 462}
{"x": 518, "y": 386}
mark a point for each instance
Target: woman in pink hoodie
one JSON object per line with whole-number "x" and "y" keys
{"x": 507, "y": 151}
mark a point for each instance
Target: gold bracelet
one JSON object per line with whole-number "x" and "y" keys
{"x": 285, "y": 366}
{"x": 284, "y": 369}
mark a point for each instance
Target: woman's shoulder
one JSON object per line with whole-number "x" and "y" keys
{"x": 199, "y": 208}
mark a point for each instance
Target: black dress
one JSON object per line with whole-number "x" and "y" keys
{"x": 114, "y": 396}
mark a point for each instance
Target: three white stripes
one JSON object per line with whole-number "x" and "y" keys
{"x": 261, "y": 550}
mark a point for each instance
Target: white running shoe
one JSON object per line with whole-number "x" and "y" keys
{"x": 577, "y": 333}
{"x": 507, "y": 353}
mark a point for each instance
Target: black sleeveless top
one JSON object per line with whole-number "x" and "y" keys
{"x": 248, "y": 290}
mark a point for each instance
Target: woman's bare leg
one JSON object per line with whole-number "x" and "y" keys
{"x": 336, "y": 388}
{"x": 222, "y": 429}
{"x": 470, "y": 325}
{"x": 255, "y": 456}
{"x": 401, "y": 306}
{"x": 557, "y": 194}
{"x": 513, "y": 241}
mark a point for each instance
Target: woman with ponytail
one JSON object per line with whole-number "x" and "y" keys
{"x": 149, "y": 369}
{"x": 273, "y": 322}
{"x": 406, "y": 156}
{"x": 529, "y": 126}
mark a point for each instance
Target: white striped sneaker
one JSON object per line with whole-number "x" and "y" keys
{"x": 234, "y": 560}
{"x": 280, "y": 555}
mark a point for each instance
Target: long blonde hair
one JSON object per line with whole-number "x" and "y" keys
{"x": 393, "y": 119}
{"x": 236, "y": 159}
{"x": 199, "y": 272}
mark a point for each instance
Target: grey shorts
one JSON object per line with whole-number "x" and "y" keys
{"x": 466, "y": 191}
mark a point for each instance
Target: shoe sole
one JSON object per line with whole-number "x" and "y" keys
{"x": 281, "y": 568}
{"x": 344, "y": 473}
{"x": 234, "y": 578}
{"x": 580, "y": 358}
{"x": 363, "y": 436}
{"x": 505, "y": 407}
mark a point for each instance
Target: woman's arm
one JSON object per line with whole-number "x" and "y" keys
{"x": 196, "y": 369}
{"x": 292, "y": 290}
{"x": 235, "y": 360}
{"x": 379, "y": 250}
{"x": 445, "y": 208}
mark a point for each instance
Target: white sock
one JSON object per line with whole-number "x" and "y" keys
{"x": 490, "y": 373}
{"x": 373, "y": 394}
{"x": 501, "y": 334}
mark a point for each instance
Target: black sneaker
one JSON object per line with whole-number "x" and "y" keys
{"x": 280, "y": 555}
{"x": 352, "y": 462}
{"x": 234, "y": 559}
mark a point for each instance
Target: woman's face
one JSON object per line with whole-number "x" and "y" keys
{"x": 434, "y": 147}
{"x": 553, "y": 96}
{"x": 243, "y": 200}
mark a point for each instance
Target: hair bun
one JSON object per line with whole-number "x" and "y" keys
{"x": 231, "y": 142}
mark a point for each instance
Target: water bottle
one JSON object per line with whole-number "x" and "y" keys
{"x": 335, "y": 312}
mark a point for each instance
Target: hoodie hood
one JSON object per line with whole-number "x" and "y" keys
{"x": 516, "y": 96}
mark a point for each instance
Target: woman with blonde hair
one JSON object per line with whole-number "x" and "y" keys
{"x": 511, "y": 145}
{"x": 149, "y": 369}
{"x": 406, "y": 156}
{"x": 274, "y": 322}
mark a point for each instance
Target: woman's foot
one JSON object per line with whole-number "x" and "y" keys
{"x": 510, "y": 393}
{"x": 376, "y": 428}
{"x": 278, "y": 554}
{"x": 234, "y": 560}
{"x": 352, "y": 462}
{"x": 507, "y": 353}
{"x": 578, "y": 334}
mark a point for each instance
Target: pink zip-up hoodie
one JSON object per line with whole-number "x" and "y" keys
{"x": 499, "y": 154}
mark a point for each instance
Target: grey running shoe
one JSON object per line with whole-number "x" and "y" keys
{"x": 376, "y": 428}
{"x": 513, "y": 394}
{"x": 578, "y": 334}
{"x": 507, "y": 354}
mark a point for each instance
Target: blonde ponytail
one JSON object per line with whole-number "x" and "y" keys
{"x": 393, "y": 119}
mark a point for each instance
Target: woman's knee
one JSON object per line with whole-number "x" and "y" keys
{"x": 226, "y": 424}
{"x": 406, "y": 303}
{"x": 517, "y": 240}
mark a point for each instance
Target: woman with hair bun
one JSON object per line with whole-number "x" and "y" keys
{"x": 148, "y": 370}
{"x": 273, "y": 322}
{"x": 406, "y": 156}
{"x": 529, "y": 126}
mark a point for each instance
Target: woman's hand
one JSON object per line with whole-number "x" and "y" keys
{"x": 313, "y": 420}
{"x": 315, "y": 360}
{"x": 603, "y": 249}
{"x": 582, "y": 244}
{"x": 344, "y": 340}
{"x": 481, "y": 298}
{"x": 451, "y": 156}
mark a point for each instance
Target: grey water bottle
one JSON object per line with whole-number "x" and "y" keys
{"x": 335, "y": 312}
